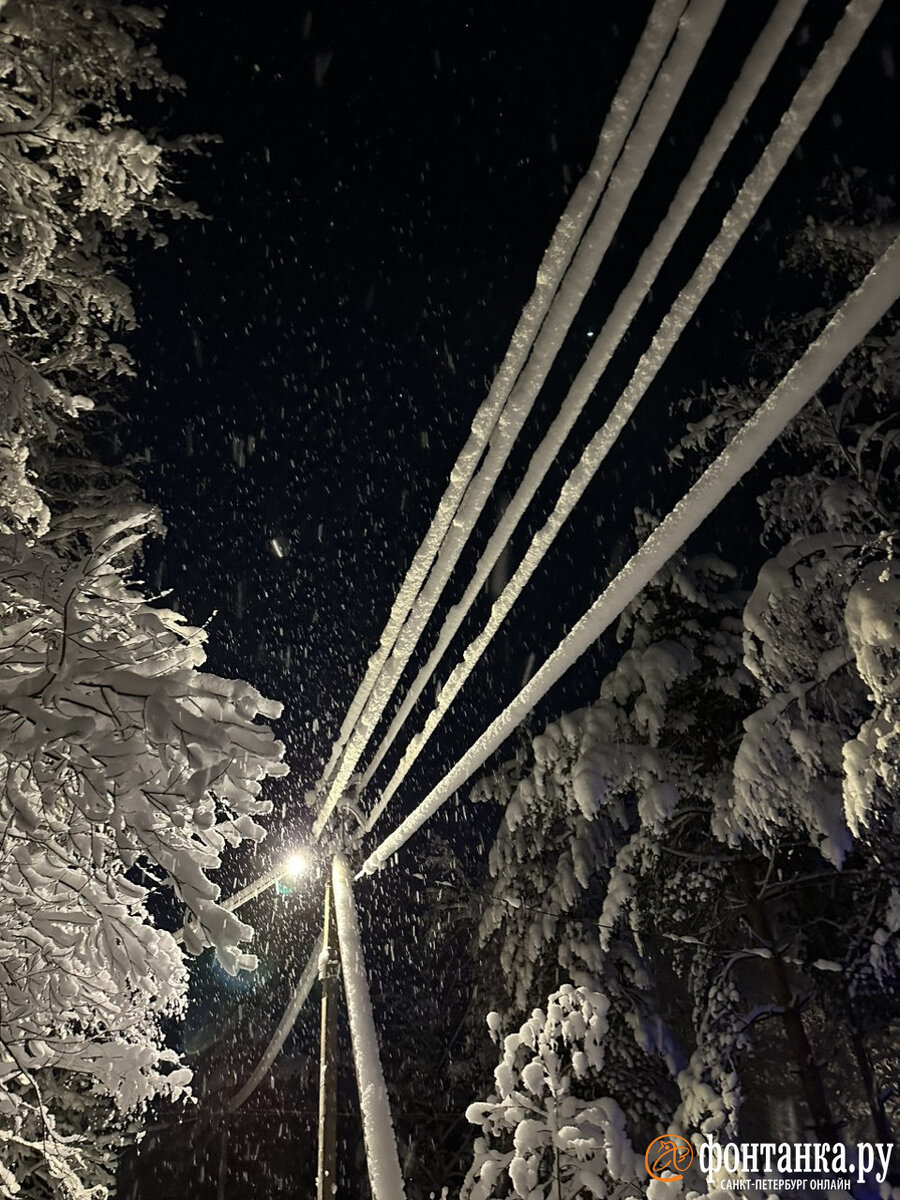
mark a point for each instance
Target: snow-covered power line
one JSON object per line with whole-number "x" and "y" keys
{"x": 298, "y": 998}
{"x": 383, "y": 852}
{"x": 627, "y": 104}
{"x": 746, "y": 88}
{"x": 642, "y": 69}
{"x": 857, "y": 315}
{"x": 691, "y": 37}
{"x": 374, "y": 692}
{"x": 804, "y": 106}
{"x": 382, "y": 1160}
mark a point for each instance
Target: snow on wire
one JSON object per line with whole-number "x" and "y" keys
{"x": 626, "y": 105}
{"x": 754, "y": 73}
{"x": 446, "y": 536}
{"x": 691, "y": 38}
{"x": 557, "y": 258}
{"x": 299, "y": 996}
{"x": 846, "y": 329}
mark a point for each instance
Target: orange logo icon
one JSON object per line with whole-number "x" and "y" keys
{"x": 671, "y": 1154}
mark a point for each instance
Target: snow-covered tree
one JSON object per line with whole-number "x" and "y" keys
{"x": 724, "y": 815}
{"x": 125, "y": 770}
{"x": 819, "y": 758}
{"x": 605, "y": 823}
{"x": 599, "y": 774}
{"x": 48, "y": 1153}
{"x": 545, "y": 1133}
{"x": 632, "y": 792}
{"x": 822, "y": 637}
{"x": 78, "y": 183}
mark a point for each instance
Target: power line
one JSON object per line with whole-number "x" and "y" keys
{"x": 853, "y": 320}
{"x": 467, "y": 492}
{"x": 690, "y": 40}
{"x": 754, "y": 73}
{"x": 856, "y": 316}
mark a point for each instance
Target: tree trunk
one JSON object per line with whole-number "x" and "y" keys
{"x": 798, "y": 1043}
{"x": 867, "y": 1076}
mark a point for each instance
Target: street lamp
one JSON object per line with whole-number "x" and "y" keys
{"x": 294, "y": 868}
{"x": 299, "y": 863}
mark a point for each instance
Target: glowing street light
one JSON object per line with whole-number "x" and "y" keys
{"x": 298, "y": 864}
{"x": 293, "y": 869}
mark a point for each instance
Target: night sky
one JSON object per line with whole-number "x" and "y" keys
{"x": 311, "y": 355}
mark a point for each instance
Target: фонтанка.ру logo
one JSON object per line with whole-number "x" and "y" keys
{"x": 668, "y": 1157}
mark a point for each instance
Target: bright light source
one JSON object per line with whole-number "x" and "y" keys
{"x": 298, "y": 864}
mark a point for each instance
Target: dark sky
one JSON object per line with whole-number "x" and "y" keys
{"x": 311, "y": 356}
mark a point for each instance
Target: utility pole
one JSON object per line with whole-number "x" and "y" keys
{"x": 326, "y": 1179}
{"x": 222, "y": 1174}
